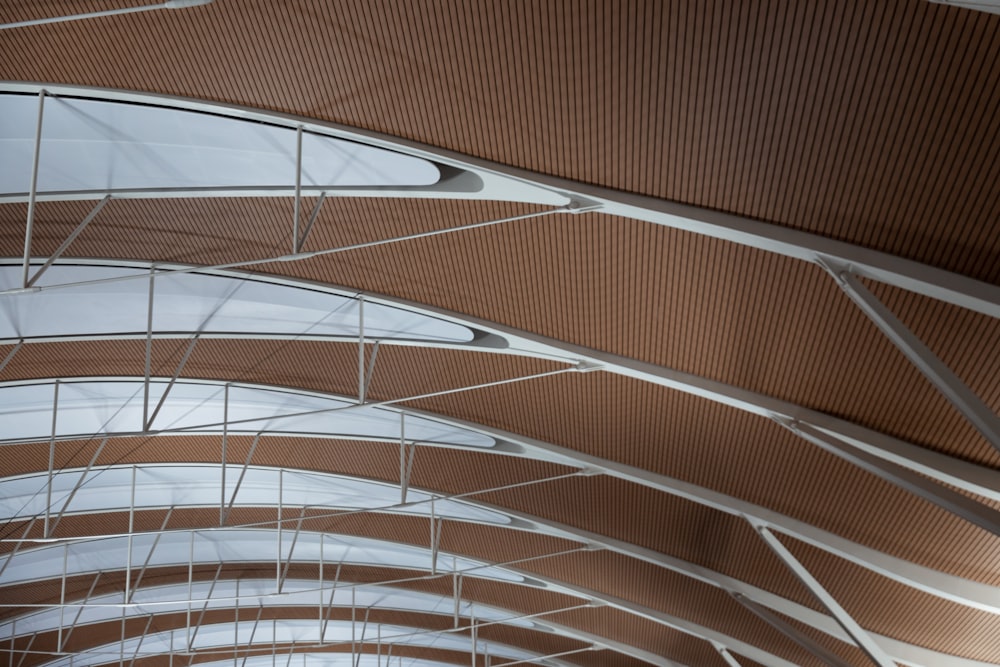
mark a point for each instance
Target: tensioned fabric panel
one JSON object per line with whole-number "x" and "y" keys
{"x": 794, "y": 114}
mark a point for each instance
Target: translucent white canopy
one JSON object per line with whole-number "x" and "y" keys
{"x": 191, "y": 302}
{"x": 222, "y": 636}
{"x": 230, "y": 546}
{"x": 103, "y": 146}
{"x": 295, "y": 593}
{"x": 198, "y": 485}
{"x": 90, "y": 408}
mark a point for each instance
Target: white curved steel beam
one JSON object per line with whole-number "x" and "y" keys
{"x": 501, "y": 182}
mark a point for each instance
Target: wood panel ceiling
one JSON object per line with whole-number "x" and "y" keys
{"x": 875, "y": 124}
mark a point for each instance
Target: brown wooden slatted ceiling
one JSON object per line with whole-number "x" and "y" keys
{"x": 873, "y": 123}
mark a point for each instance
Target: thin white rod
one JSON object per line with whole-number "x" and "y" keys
{"x": 173, "y": 380}
{"x": 52, "y": 461}
{"x": 312, "y": 221}
{"x": 791, "y": 632}
{"x": 149, "y": 555}
{"x": 10, "y": 355}
{"x": 225, "y": 442}
{"x": 303, "y": 255}
{"x": 361, "y": 349}
{"x": 30, "y": 223}
{"x": 940, "y": 375}
{"x": 79, "y": 483}
{"x": 958, "y": 504}
{"x": 850, "y": 626}
{"x": 94, "y": 15}
{"x": 277, "y": 558}
{"x": 79, "y": 611}
{"x": 69, "y": 240}
{"x": 243, "y": 472}
{"x": 62, "y": 595}
{"x": 298, "y": 189}
{"x": 377, "y": 404}
{"x": 291, "y": 549}
{"x": 149, "y": 349}
{"x": 131, "y": 533}
{"x": 17, "y": 545}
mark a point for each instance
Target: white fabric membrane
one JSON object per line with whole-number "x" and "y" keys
{"x": 91, "y": 408}
{"x": 197, "y": 302}
{"x": 103, "y": 145}
{"x": 105, "y": 489}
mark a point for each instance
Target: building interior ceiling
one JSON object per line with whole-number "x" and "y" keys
{"x": 352, "y": 333}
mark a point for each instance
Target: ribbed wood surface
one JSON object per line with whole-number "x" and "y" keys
{"x": 872, "y": 123}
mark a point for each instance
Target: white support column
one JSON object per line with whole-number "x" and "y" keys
{"x": 131, "y": 533}
{"x": 962, "y": 397}
{"x": 62, "y": 595}
{"x": 850, "y": 626}
{"x": 361, "y": 349}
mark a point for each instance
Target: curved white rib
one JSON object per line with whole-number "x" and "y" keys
{"x": 112, "y": 300}
{"x": 253, "y": 593}
{"x": 231, "y": 545}
{"x": 97, "y": 407}
{"x": 109, "y": 489}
